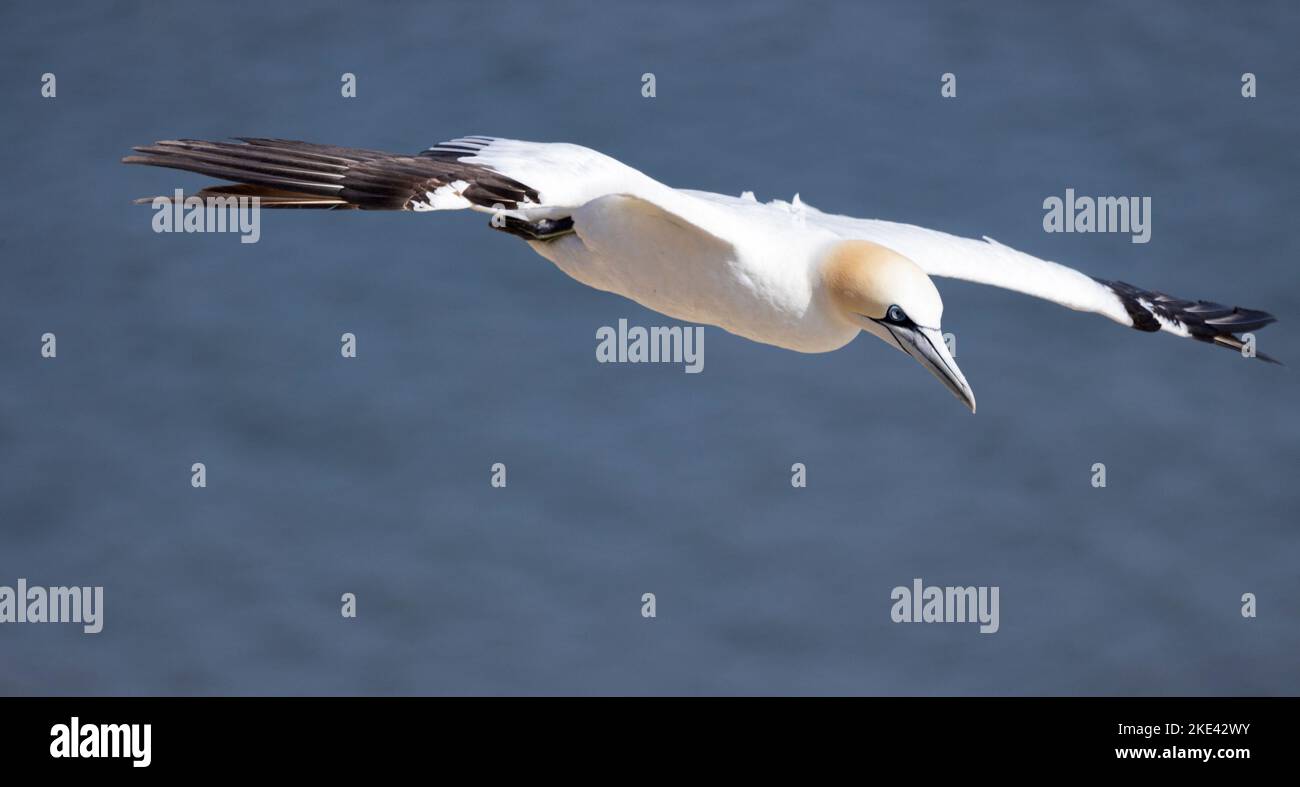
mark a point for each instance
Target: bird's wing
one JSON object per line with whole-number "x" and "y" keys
{"x": 567, "y": 176}
{"x": 562, "y": 176}
{"x": 287, "y": 174}
{"x": 530, "y": 180}
{"x": 989, "y": 262}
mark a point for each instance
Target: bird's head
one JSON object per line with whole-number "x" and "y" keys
{"x": 885, "y": 293}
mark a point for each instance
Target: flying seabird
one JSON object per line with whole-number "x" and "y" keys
{"x": 782, "y": 273}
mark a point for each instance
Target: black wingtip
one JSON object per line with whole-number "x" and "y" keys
{"x": 1205, "y": 321}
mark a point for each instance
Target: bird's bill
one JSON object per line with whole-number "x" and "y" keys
{"x": 929, "y": 349}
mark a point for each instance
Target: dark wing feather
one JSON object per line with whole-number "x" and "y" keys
{"x": 288, "y": 173}
{"x": 1205, "y": 321}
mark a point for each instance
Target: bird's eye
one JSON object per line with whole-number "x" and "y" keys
{"x": 896, "y": 314}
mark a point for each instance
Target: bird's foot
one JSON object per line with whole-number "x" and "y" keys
{"x": 542, "y": 229}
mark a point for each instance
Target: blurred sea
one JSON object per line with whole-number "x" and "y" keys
{"x": 371, "y": 475}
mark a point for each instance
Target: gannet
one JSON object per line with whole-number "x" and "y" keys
{"x": 781, "y": 273}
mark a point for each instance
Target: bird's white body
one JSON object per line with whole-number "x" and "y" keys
{"x": 761, "y": 284}
{"x": 684, "y": 254}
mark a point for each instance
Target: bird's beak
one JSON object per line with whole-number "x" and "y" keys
{"x": 929, "y": 349}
